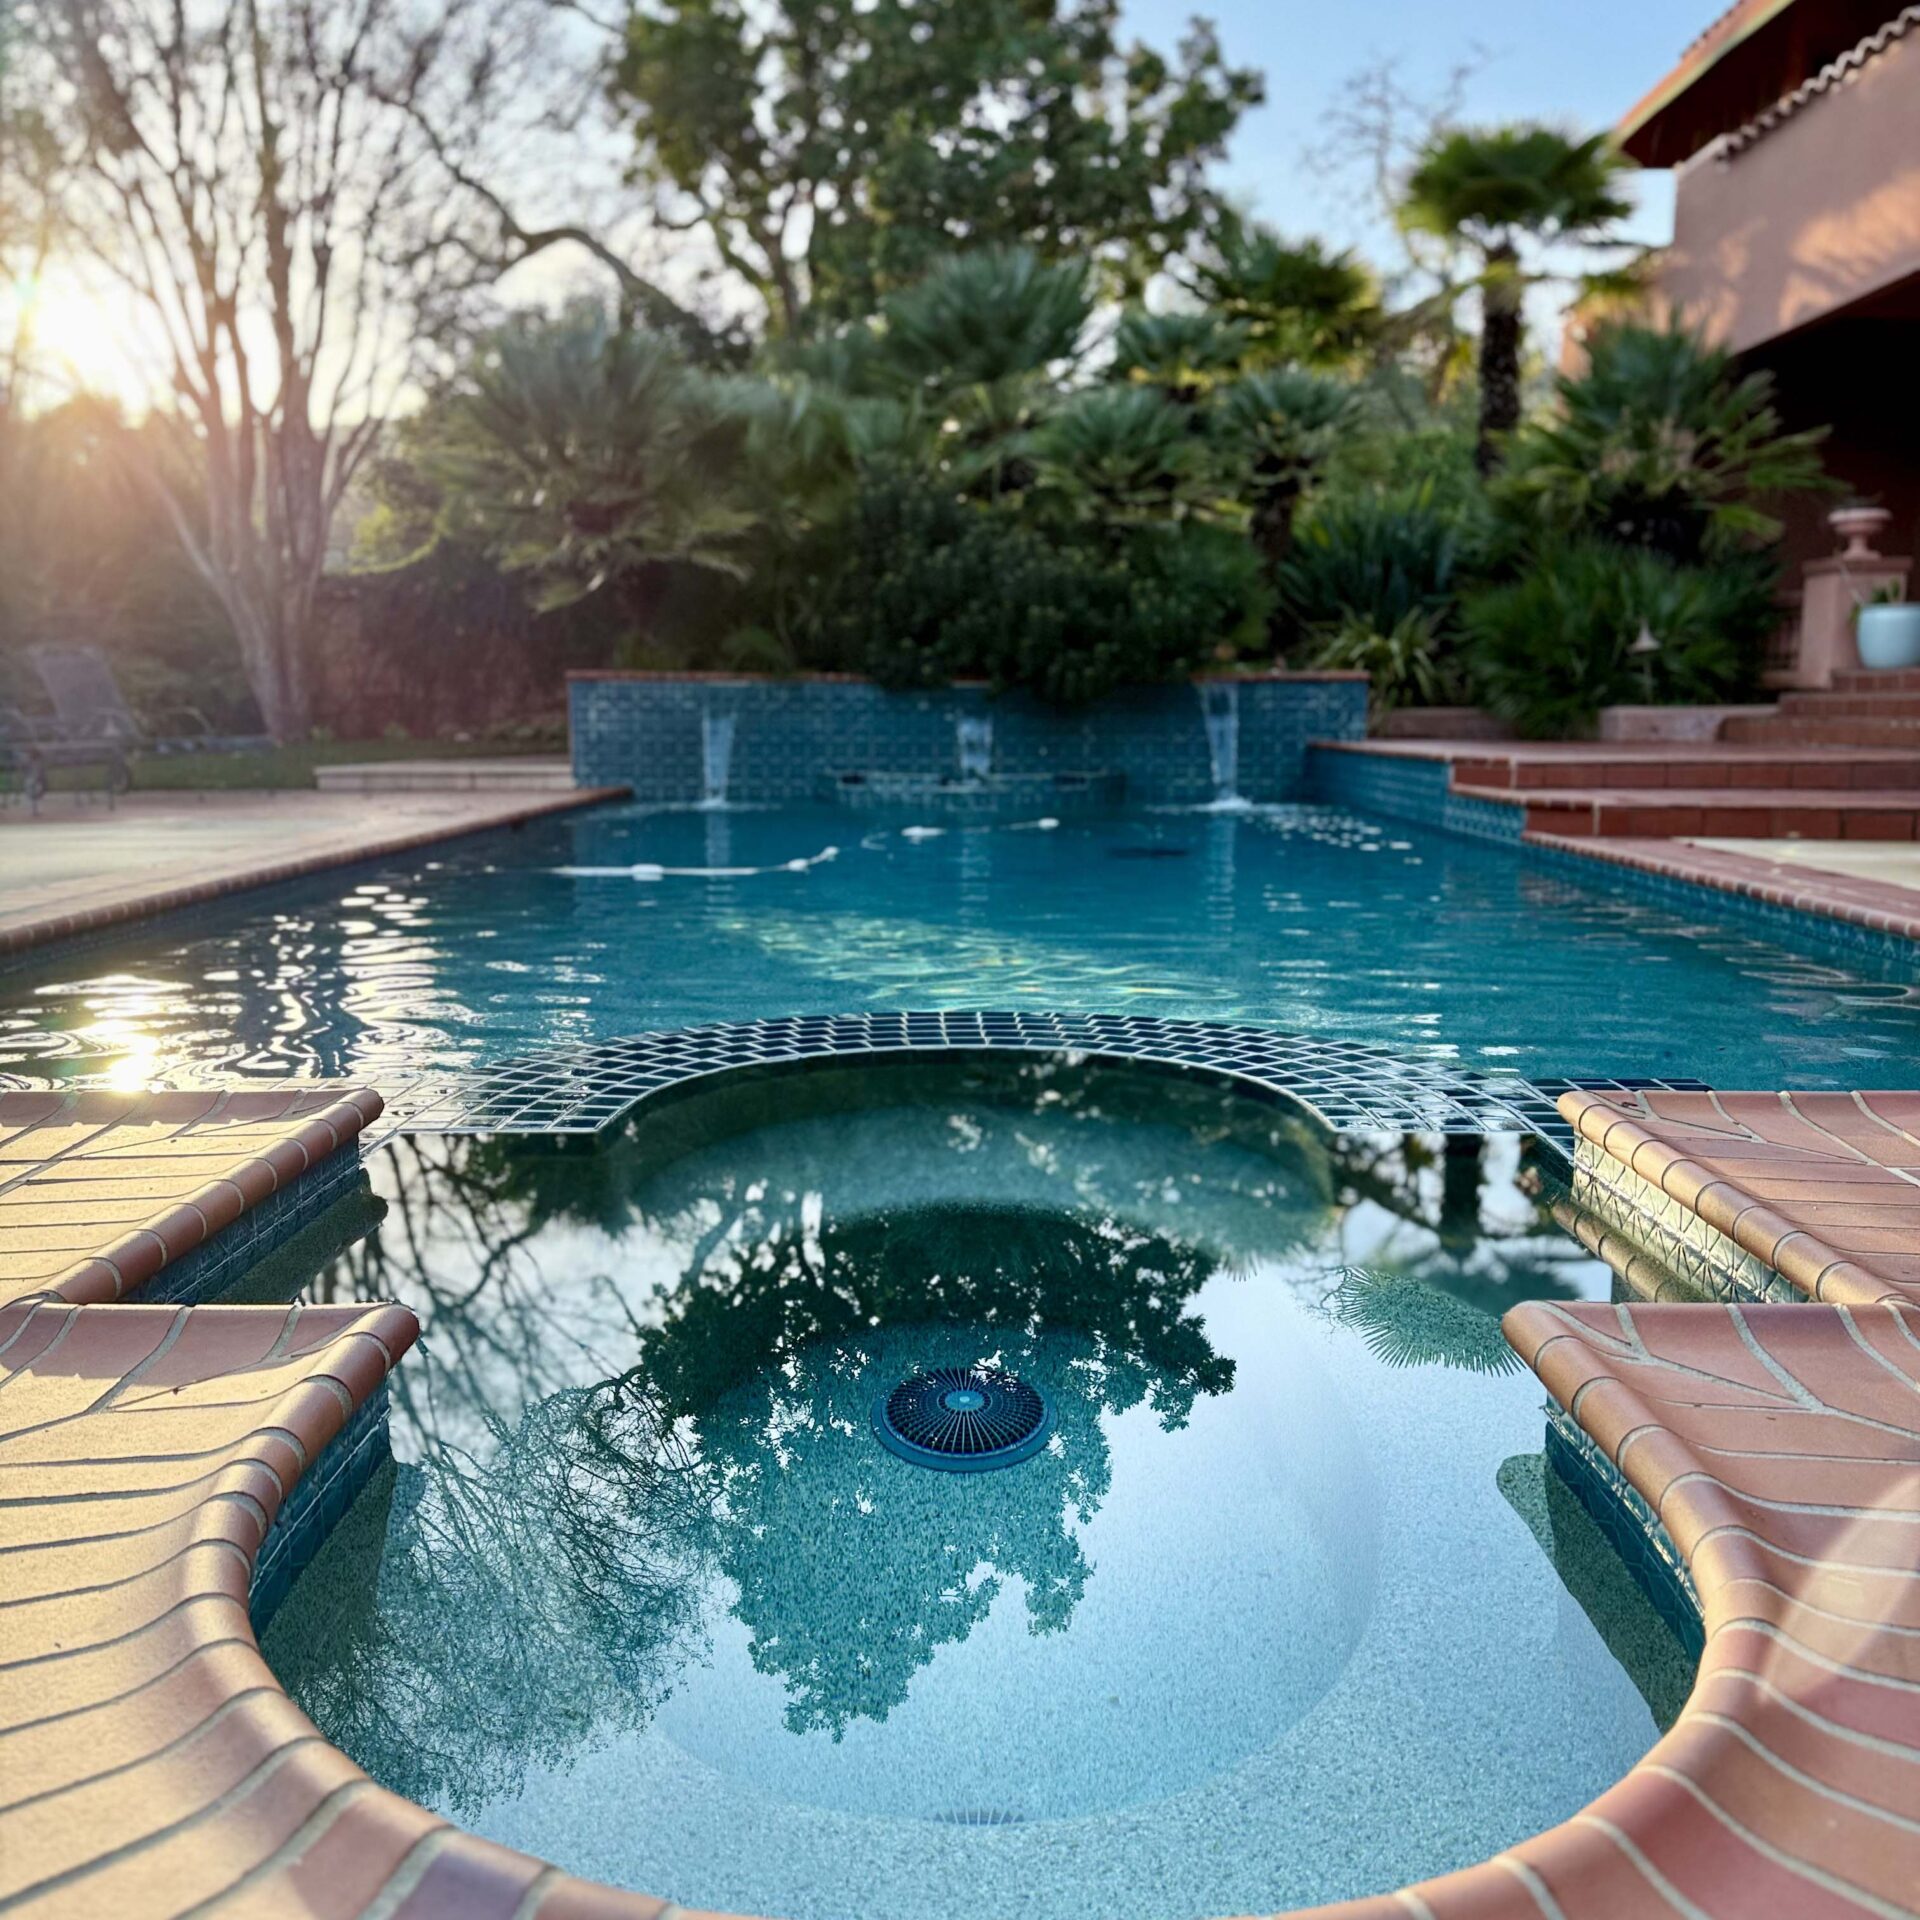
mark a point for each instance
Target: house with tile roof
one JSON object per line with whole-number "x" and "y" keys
{"x": 1793, "y": 130}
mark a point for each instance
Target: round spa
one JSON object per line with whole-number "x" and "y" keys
{"x": 692, "y": 1571}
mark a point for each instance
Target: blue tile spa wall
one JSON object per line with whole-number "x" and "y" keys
{"x": 665, "y": 735}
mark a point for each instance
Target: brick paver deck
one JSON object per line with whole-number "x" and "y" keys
{"x": 1823, "y": 1188}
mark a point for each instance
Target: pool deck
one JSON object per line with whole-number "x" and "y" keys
{"x": 81, "y": 866}
{"x": 150, "y": 1763}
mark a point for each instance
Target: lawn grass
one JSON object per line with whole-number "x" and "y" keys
{"x": 283, "y": 767}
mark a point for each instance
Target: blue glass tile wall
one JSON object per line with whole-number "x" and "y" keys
{"x": 786, "y": 733}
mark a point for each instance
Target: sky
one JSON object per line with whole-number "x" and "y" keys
{"x": 1584, "y": 62}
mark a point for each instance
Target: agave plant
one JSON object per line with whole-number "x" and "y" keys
{"x": 581, "y": 454}
{"x": 1662, "y": 442}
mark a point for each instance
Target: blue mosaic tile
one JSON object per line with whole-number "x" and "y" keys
{"x": 1631, "y": 1526}
{"x": 787, "y": 733}
{"x": 315, "y": 1504}
{"x": 217, "y": 1263}
{"x": 1350, "y": 1086}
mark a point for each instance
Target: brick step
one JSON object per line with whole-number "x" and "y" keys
{"x": 1850, "y": 706}
{"x": 1663, "y": 767}
{"x": 1887, "y": 680}
{"x": 1789, "y": 732}
{"x": 1806, "y": 814}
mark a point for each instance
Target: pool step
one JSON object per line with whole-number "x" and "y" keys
{"x": 1841, "y": 813}
{"x": 1758, "y": 1196}
{"x": 515, "y": 774}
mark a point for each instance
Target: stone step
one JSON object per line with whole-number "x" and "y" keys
{"x": 1888, "y": 680}
{"x": 1848, "y": 813}
{"x": 528, "y": 774}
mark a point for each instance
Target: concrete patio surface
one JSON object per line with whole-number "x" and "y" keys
{"x": 81, "y": 865}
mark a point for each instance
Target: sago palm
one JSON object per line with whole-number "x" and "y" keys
{"x": 1277, "y": 427}
{"x": 1663, "y": 442}
{"x": 581, "y": 454}
{"x": 1496, "y": 189}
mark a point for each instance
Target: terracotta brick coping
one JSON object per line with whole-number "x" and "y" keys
{"x": 100, "y": 1191}
{"x": 1832, "y": 896}
{"x": 970, "y": 686}
{"x": 1824, "y": 1188}
{"x": 144, "y": 906}
{"x": 150, "y": 1764}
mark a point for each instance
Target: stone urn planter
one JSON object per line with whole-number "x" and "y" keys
{"x": 1888, "y": 636}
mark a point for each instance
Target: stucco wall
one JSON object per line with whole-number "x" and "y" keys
{"x": 647, "y": 729}
{"x": 1818, "y": 213}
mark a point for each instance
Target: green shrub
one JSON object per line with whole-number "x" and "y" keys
{"x": 1547, "y": 651}
{"x": 1376, "y": 559}
{"x": 1407, "y": 666}
{"x": 932, "y": 589}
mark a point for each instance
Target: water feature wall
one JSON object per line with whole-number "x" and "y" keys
{"x": 716, "y": 756}
{"x": 648, "y": 731}
{"x": 1220, "y": 711}
{"x": 973, "y": 744}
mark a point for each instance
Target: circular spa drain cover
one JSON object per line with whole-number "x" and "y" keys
{"x": 963, "y": 1419}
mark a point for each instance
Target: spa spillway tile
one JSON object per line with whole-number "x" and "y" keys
{"x": 150, "y": 1764}
{"x": 105, "y": 1195}
{"x": 1761, "y": 1194}
{"x": 1778, "y": 1450}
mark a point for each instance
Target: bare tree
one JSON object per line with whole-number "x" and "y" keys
{"x": 300, "y": 197}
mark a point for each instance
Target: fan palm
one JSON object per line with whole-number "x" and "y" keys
{"x": 1295, "y": 302}
{"x": 1494, "y": 189}
{"x": 580, "y": 454}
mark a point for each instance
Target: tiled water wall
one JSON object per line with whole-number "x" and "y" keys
{"x": 1177, "y": 744}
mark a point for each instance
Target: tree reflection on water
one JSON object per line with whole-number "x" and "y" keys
{"x": 645, "y": 1383}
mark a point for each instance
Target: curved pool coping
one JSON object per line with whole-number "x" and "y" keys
{"x": 153, "y": 1764}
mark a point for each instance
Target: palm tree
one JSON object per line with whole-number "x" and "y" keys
{"x": 1294, "y": 302}
{"x": 580, "y": 454}
{"x": 1663, "y": 442}
{"x": 1279, "y": 426}
{"x": 1495, "y": 189}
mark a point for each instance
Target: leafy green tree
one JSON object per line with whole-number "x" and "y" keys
{"x": 1661, "y": 442}
{"x": 831, "y": 153}
{"x": 1506, "y": 191}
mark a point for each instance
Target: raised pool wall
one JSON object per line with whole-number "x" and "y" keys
{"x": 649, "y": 731}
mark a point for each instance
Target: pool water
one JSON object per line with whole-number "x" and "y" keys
{"x": 620, "y": 920}
{"x": 1289, "y": 1608}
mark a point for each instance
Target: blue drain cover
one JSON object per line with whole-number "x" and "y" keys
{"x": 963, "y": 1419}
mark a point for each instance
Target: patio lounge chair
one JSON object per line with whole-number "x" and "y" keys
{"x": 91, "y": 709}
{"x": 30, "y": 745}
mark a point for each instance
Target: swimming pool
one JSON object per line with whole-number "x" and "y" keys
{"x": 1307, "y": 919}
{"x": 1288, "y": 1608}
